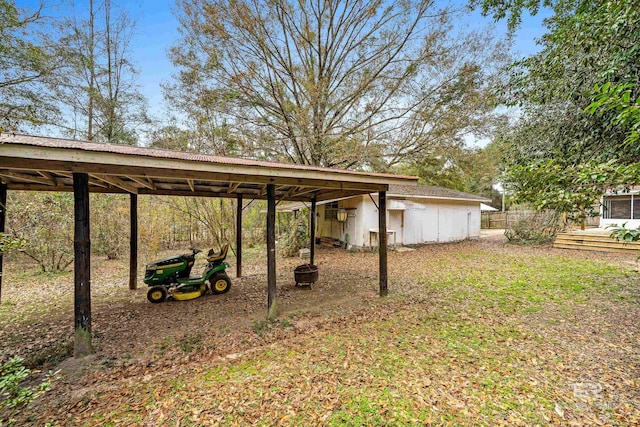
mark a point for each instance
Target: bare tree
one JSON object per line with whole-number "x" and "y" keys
{"x": 26, "y": 64}
{"x": 98, "y": 88}
{"x": 330, "y": 82}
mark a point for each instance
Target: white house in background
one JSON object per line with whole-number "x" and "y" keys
{"x": 416, "y": 214}
{"x": 618, "y": 208}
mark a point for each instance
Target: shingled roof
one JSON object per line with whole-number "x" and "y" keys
{"x": 433, "y": 192}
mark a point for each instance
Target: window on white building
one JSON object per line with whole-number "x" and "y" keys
{"x": 331, "y": 211}
{"x": 621, "y": 207}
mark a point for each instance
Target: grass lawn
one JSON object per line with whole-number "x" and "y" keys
{"x": 476, "y": 333}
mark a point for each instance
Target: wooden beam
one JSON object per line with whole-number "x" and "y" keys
{"x": 271, "y": 252}
{"x": 3, "y": 218}
{"x": 24, "y": 177}
{"x": 49, "y": 177}
{"x": 312, "y": 232}
{"x": 98, "y": 157}
{"x": 303, "y": 191}
{"x": 156, "y": 173}
{"x": 239, "y": 235}
{"x": 117, "y": 182}
{"x": 146, "y": 183}
{"x": 337, "y": 194}
{"x": 291, "y": 191}
{"x": 191, "y": 186}
{"x": 233, "y": 186}
{"x": 92, "y": 181}
{"x": 202, "y": 191}
{"x": 133, "y": 242}
{"x": 263, "y": 191}
{"x": 382, "y": 242}
{"x": 82, "y": 266}
{"x": 69, "y": 175}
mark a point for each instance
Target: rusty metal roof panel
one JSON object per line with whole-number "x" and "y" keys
{"x": 52, "y": 142}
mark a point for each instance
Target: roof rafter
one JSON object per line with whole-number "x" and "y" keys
{"x": 49, "y": 176}
{"x": 300, "y": 193}
{"x": 117, "y": 182}
{"x": 25, "y": 177}
{"x": 147, "y": 183}
{"x": 233, "y": 186}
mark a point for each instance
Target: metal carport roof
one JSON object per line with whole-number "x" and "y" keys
{"x": 46, "y": 164}
{"x": 38, "y": 163}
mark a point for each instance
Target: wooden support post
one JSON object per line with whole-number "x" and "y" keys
{"x": 382, "y": 241}
{"x": 133, "y": 243}
{"x": 312, "y": 232}
{"x": 82, "y": 266}
{"x": 239, "y": 236}
{"x": 271, "y": 252}
{"x": 3, "y": 218}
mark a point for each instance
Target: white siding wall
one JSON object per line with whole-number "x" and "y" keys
{"x": 630, "y": 223}
{"x": 423, "y": 221}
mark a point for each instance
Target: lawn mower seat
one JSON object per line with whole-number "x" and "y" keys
{"x": 212, "y": 256}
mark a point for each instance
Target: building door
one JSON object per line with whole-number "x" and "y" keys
{"x": 396, "y": 223}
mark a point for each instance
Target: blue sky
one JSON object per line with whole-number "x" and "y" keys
{"x": 157, "y": 31}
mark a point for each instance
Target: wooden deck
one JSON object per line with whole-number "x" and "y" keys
{"x": 594, "y": 240}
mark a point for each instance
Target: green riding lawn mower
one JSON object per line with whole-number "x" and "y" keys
{"x": 169, "y": 278}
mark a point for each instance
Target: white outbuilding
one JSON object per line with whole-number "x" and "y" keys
{"x": 416, "y": 214}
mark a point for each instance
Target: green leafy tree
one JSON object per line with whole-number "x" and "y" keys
{"x": 574, "y": 190}
{"x": 619, "y": 98}
{"x": 587, "y": 45}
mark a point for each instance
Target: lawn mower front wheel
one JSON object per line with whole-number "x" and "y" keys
{"x": 157, "y": 294}
{"x": 220, "y": 283}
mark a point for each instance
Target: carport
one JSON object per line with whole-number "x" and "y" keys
{"x": 52, "y": 164}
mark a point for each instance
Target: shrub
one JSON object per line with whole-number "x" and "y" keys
{"x": 536, "y": 227}
{"x": 44, "y": 223}
{"x": 110, "y": 225}
{"x": 14, "y": 396}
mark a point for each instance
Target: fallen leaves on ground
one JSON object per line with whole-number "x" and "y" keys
{"x": 475, "y": 333}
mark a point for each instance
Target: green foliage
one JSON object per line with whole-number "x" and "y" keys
{"x": 624, "y": 234}
{"x": 44, "y": 222}
{"x": 97, "y": 89}
{"x": 295, "y": 237}
{"x": 574, "y": 190}
{"x": 110, "y": 225}
{"x": 510, "y": 9}
{"x": 473, "y": 170}
{"x": 560, "y": 150}
{"x": 618, "y": 97}
{"x": 9, "y": 242}
{"x": 13, "y": 396}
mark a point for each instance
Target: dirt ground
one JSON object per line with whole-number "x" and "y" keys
{"x": 132, "y": 336}
{"x": 36, "y": 315}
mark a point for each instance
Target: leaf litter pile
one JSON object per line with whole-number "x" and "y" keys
{"x": 473, "y": 333}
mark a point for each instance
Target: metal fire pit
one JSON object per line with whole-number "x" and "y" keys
{"x": 305, "y": 274}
